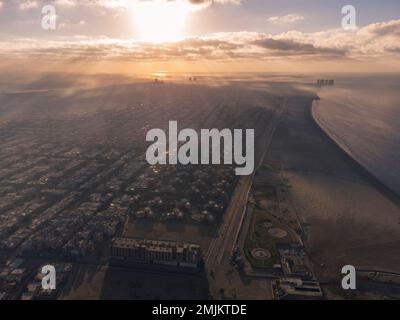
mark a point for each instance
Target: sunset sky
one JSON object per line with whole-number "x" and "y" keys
{"x": 202, "y": 35}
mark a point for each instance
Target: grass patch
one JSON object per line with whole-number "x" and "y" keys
{"x": 258, "y": 237}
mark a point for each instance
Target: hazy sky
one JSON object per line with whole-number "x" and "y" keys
{"x": 246, "y": 35}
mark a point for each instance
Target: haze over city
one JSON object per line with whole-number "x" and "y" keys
{"x": 200, "y": 150}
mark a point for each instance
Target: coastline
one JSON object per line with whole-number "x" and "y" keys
{"x": 349, "y": 217}
{"x": 377, "y": 181}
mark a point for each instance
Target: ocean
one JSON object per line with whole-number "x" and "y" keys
{"x": 362, "y": 115}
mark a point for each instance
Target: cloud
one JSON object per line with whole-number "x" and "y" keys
{"x": 286, "y": 19}
{"x": 124, "y": 4}
{"x": 65, "y": 3}
{"x": 208, "y": 2}
{"x": 374, "y": 42}
{"x": 28, "y": 4}
{"x": 291, "y": 47}
{"x": 384, "y": 28}
{"x": 25, "y": 5}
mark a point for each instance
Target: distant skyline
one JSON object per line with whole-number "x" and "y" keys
{"x": 203, "y": 35}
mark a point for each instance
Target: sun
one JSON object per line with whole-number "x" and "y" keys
{"x": 161, "y": 20}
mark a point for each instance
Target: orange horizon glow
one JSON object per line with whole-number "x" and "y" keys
{"x": 161, "y": 21}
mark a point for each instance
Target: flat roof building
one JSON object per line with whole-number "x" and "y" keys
{"x": 159, "y": 252}
{"x": 296, "y": 288}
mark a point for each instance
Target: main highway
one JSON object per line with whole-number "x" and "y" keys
{"x": 222, "y": 246}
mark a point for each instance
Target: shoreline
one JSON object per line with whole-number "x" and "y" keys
{"x": 350, "y": 217}
{"x": 352, "y": 158}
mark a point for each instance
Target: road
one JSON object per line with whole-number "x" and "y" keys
{"x": 221, "y": 247}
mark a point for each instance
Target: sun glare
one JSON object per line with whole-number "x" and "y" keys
{"x": 160, "y": 20}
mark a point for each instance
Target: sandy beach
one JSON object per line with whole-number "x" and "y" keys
{"x": 349, "y": 217}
